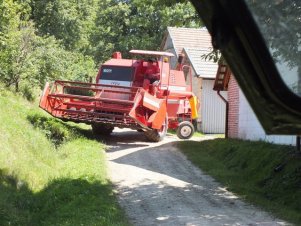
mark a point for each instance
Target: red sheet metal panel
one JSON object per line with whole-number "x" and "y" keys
{"x": 158, "y": 118}
{"x": 151, "y": 102}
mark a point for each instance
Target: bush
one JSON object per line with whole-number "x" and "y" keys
{"x": 80, "y": 92}
{"x": 28, "y": 93}
{"x": 55, "y": 130}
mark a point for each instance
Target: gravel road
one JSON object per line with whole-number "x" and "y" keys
{"x": 157, "y": 185}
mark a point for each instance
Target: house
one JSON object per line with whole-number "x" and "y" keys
{"x": 242, "y": 121}
{"x": 194, "y": 44}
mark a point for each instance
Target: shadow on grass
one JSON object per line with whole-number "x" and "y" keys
{"x": 266, "y": 174}
{"x": 63, "y": 202}
{"x": 58, "y": 131}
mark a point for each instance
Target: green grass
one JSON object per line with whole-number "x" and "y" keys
{"x": 267, "y": 175}
{"x": 51, "y": 173}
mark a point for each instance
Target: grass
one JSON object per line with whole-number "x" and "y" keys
{"x": 51, "y": 173}
{"x": 267, "y": 175}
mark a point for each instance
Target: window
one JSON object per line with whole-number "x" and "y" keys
{"x": 279, "y": 22}
{"x": 116, "y": 73}
{"x": 260, "y": 41}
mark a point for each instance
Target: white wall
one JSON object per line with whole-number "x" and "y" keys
{"x": 196, "y": 88}
{"x": 168, "y": 47}
{"x": 249, "y": 127}
{"x": 213, "y": 109}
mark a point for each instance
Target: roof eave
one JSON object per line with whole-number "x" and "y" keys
{"x": 186, "y": 53}
{"x": 172, "y": 42}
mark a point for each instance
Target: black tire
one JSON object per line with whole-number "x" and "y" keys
{"x": 157, "y": 135}
{"x": 185, "y": 130}
{"x": 102, "y": 129}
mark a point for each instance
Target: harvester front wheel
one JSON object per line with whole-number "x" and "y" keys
{"x": 157, "y": 135}
{"x": 102, "y": 129}
{"x": 185, "y": 130}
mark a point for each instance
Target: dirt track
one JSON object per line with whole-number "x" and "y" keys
{"x": 157, "y": 185}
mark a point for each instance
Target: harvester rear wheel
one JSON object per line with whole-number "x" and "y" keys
{"x": 185, "y": 130}
{"x": 157, "y": 135}
{"x": 102, "y": 129}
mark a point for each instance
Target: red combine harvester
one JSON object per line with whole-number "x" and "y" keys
{"x": 143, "y": 94}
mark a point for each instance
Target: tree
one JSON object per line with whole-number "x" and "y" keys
{"x": 140, "y": 24}
{"x": 98, "y": 28}
{"x": 54, "y": 62}
{"x": 13, "y": 14}
{"x": 16, "y": 38}
{"x": 28, "y": 60}
{"x": 70, "y": 21}
{"x": 280, "y": 23}
{"x": 42, "y": 40}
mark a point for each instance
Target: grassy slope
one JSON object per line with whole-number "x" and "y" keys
{"x": 265, "y": 174}
{"x": 46, "y": 184}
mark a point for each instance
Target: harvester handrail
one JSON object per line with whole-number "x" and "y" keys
{"x": 100, "y": 89}
{"x": 90, "y": 98}
{"x": 61, "y": 82}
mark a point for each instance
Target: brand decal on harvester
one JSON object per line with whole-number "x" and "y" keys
{"x": 107, "y": 70}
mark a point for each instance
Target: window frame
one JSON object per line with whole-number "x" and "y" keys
{"x": 236, "y": 34}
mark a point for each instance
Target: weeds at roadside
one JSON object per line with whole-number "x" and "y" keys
{"x": 57, "y": 131}
{"x": 53, "y": 129}
{"x": 267, "y": 175}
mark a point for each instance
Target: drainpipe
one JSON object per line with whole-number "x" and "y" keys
{"x": 227, "y": 112}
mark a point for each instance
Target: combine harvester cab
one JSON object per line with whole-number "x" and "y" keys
{"x": 143, "y": 94}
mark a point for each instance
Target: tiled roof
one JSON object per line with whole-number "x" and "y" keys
{"x": 189, "y": 38}
{"x": 202, "y": 67}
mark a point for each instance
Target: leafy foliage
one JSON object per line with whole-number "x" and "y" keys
{"x": 44, "y": 40}
{"x": 33, "y": 60}
{"x": 16, "y": 56}
{"x": 215, "y": 56}
{"x": 68, "y": 21}
{"x": 280, "y": 24}
{"x": 54, "y": 129}
{"x": 28, "y": 60}
{"x": 139, "y": 24}
{"x": 54, "y": 62}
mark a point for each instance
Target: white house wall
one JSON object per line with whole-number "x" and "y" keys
{"x": 213, "y": 109}
{"x": 168, "y": 47}
{"x": 196, "y": 89}
{"x": 250, "y": 129}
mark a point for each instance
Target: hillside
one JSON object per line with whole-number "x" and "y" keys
{"x": 51, "y": 173}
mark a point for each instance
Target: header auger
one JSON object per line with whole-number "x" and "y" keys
{"x": 142, "y": 93}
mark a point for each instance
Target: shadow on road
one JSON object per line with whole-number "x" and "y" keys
{"x": 158, "y": 185}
